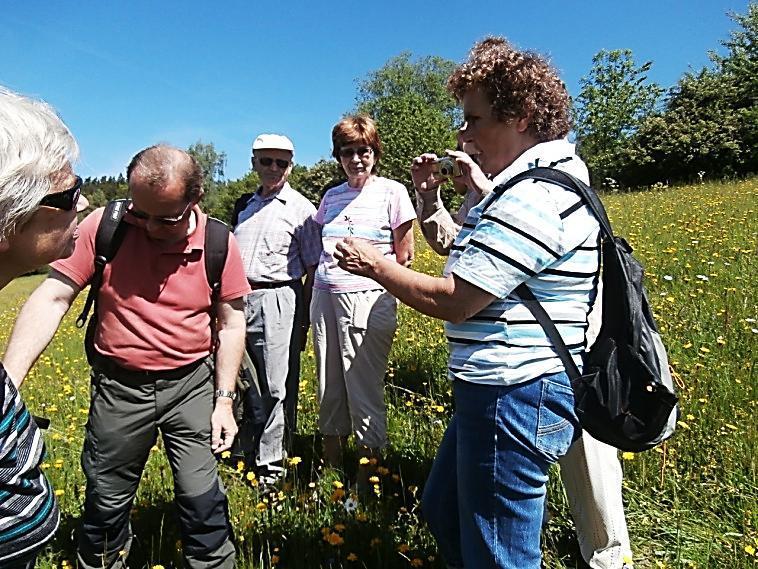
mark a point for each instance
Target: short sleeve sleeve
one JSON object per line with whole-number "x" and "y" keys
{"x": 309, "y": 238}
{"x": 80, "y": 266}
{"x": 401, "y": 207}
{"x": 233, "y": 280}
{"x": 520, "y": 234}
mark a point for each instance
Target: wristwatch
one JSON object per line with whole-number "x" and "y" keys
{"x": 224, "y": 393}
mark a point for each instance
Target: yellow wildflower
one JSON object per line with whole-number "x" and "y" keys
{"x": 335, "y": 539}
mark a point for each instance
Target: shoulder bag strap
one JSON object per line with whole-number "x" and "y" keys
{"x": 525, "y": 294}
{"x": 110, "y": 234}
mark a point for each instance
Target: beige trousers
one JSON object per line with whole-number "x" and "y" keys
{"x": 591, "y": 474}
{"x": 352, "y": 337}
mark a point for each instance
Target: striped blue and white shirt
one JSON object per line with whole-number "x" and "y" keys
{"x": 28, "y": 510}
{"x": 537, "y": 233}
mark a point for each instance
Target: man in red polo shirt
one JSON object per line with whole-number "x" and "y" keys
{"x": 153, "y": 366}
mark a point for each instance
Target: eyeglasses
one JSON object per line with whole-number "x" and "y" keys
{"x": 156, "y": 218}
{"x": 361, "y": 151}
{"x": 65, "y": 200}
{"x": 266, "y": 161}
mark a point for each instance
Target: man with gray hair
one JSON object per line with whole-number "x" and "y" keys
{"x": 39, "y": 200}
{"x": 280, "y": 243}
{"x": 154, "y": 361}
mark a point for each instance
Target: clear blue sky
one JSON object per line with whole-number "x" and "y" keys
{"x": 125, "y": 75}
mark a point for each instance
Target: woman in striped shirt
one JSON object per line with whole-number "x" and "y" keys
{"x": 513, "y": 401}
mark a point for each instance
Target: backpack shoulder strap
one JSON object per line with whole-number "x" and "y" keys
{"x": 524, "y": 293}
{"x": 216, "y": 249}
{"x": 565, "y": 180}
{"x": 239, "y": 206}
{"x": 110, "y": 234}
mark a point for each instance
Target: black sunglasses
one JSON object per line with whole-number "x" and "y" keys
{"x": 65, "y": 200}
{"x": 266, "y": 161}
{"x": 348, "y": 152}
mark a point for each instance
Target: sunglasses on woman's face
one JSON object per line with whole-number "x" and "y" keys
{"x": 65, "y": 200}
{"x": 361, "y": 151}
{"x": 266, "y": 161}
{"x": 158, "y": 219}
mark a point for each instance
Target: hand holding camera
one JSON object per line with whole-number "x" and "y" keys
{"x": 429, "y": 171}
{"x": 446, "y": 167}
{"x": 469, "y": 174}
{"x": 424, "y": 173}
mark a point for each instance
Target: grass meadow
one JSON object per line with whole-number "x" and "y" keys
{"x": 690, "y": 502}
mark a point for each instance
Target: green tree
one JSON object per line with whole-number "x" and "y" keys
{"x": 697, "y": 134}
{"x": 614, "y": 100}
{"x": 425, "y": 77}
{"x": 412, "y": 108}
{"x": 709, "y": 124}
{"x": 740, "y": 67}
{"x": 99, "y": 191}
{"x": 314, "y": 181}
{"x": 220, "y": 203}
{"x": 211, "y": 162}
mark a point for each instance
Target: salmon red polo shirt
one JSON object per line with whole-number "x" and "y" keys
{"x": 153, "y": 306}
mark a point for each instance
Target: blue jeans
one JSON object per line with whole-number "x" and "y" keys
{"x": 485, "y": 495}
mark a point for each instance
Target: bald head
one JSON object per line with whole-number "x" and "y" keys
{"x": 162, "y": 164}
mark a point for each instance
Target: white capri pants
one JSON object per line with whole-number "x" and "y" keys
{"x": 352, "y": 337}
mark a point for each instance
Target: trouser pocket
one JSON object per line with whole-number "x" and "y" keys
{"x": 556, "y": 423}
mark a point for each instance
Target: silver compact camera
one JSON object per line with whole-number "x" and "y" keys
{"x": 446, "y": 167}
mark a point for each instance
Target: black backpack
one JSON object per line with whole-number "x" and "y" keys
{"x": 108, "y": 239}
{"x": 625, "y": 397}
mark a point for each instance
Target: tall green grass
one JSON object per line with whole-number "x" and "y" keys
{"x": 690, "y": 502}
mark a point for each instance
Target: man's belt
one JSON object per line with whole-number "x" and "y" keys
{"x": 112, "y": 369}
{"x": 255, "y": 285}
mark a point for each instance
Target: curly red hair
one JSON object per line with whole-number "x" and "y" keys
{"x": 518, "y": 84}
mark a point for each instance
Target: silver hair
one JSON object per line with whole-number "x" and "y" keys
{"x": 34, "y": 145}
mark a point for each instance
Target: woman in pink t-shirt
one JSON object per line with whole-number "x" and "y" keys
{"x": 353, "y": 317}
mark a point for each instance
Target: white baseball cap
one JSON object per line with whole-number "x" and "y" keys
{"x": 273, "y": 142}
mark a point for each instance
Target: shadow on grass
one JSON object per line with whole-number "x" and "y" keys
{"x": 156, "y": 536}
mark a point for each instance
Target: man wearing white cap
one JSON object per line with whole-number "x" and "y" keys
{"x": 280, "y": 244}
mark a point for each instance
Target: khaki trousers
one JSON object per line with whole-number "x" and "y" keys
{"x": 591, "y": 475}
{"x": 352, "y": 336}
